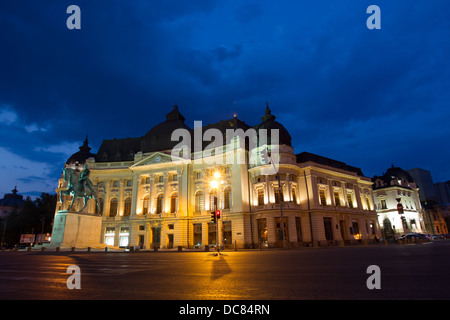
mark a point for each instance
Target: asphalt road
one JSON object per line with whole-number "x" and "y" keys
{"x": 419, "y": 271}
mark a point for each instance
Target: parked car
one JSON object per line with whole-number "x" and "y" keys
{"x": 412, "y": 235}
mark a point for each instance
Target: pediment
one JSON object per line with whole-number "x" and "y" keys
{"x": 154, "y": 159}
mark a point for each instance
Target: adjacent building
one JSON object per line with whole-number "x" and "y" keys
{"x": 150, "y": 200}
{"x": 397, "y": 203}
{"x": 10, "y": 202}
{"x": 431, "y": 197}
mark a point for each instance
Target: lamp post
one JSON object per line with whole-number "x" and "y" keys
{"x": 280, "y": 196}
{"x": 215, "y": 184}
{"x": 266, "y": 157}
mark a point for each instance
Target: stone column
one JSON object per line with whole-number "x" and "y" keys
{"x": 288, "y": 186}
{"x": 121, "y": 204}
{"x": 267, "y": 197}
{"x": 134, "y": 195}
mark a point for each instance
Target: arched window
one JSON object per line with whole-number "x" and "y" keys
{"x": 127, "y": 207}
{"x": 199, "y": 201}
{"x": 159, "y": 203}
{"x": 227, "y": 198}
{"x": 213, "y": 195}
{"x": 146, "y": 204}
{"x": 114, "y": 205}
{"x": 174, "y": 203}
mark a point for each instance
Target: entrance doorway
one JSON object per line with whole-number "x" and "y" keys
{"x": 156, "y": 239}
{"x": 141, "y": 241}
{"x": 279, "y": 234}
{"x": 169, "y": 241}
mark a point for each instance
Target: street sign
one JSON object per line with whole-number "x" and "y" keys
{"x": 27, "y": 238}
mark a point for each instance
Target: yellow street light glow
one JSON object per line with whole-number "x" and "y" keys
{"x": 216, "y": 175}
{"x": 214, "y": 184}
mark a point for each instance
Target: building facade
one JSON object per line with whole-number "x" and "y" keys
{"x": 11, "y": 202}
{"x": 151, "y": 201}
{"x": 397, "y": 202}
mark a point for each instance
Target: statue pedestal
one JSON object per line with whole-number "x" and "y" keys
{"x": 73, "y": 229}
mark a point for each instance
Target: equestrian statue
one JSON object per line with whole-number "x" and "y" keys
{"x": 80, "y": 186}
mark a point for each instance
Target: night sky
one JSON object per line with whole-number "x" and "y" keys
{"x": 370, "y": 98}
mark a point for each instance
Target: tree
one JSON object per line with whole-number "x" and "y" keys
{"x": 33, "y": 218}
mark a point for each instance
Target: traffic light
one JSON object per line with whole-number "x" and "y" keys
{"x": 218, "y": 214}
{"x": 265, "y": 156}
{"x": 213, "y": 216}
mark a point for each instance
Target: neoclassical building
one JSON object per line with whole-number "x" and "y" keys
{"x": 150, "y": 200}
{"x": 397, "y": 202}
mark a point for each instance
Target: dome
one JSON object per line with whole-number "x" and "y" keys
{"x": 81, "y": 156}
{"x": 394, "y": 176}
{"x": 268, "y": 122}
{"x": 396, "y": 172}
{"x": 159, "y": 137}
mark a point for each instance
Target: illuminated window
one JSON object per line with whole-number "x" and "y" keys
{"x": 124, "y": 236}
{"x": 114, "y": 205}
{"x": 350, "y": 200}
{"x": 199, "y": 201}
{"x": 322, "y": 198}
{"x": 337, "y": 199}
{"x": 159, "y": 204}
{"x": 260, "y": 197}
{"x": 174, "y": 203}
{"x": 277, "y": 194}
{"x": 127, "y": 207}
{"x": 146, "y": 204}
{"x": 109, "y": 236}
{"x": 227, "y": 198}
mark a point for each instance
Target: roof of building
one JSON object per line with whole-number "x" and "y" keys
{"x": 394, "y": 174}
{"x": 306, "y": 156}
{"x": 269, "y": 123}
{"x": 81, "y": 156}
{"x": 12, "y": 199}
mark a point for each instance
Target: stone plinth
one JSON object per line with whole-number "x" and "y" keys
{"x": 79, "y": 230}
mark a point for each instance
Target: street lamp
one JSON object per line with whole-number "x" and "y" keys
{"x": 266, "y": 158}
{"x": 214, "y": 207}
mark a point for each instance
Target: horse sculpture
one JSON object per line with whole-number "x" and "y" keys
{"x": 80, "y": 186}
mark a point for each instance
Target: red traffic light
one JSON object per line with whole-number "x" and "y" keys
{"x": 218, "y": 214}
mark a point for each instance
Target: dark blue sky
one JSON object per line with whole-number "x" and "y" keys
{"x": 369, "y": 98}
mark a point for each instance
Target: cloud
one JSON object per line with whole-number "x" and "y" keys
{"x": 341, "y": 90}
{"x": 26, "y": 174}
{"x": 7, "y": 116}
{"x": 65, "y": 148}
